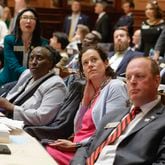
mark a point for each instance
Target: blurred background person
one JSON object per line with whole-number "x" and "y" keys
{"x": 136, "y": 38}
{"x": 76, "y": 17}
{"x": 3, "y": 32}
{"x": 151, "y": 28}
{"x": 18, "y": 45}
{"x": 3, "y": 27}
{"x": 91, "y": 39}
{"x": 81, "y": 32}
{"x": 102, "y": 24}
{"x": 7, "y": 16}
{"x": 127, "y": 20}
{"x": 159, "y": 49}
{"x": 19, "y": 5}
{"x": 59, "y": 41}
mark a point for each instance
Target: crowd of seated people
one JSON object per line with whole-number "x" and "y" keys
{"x": 69, "y": 109}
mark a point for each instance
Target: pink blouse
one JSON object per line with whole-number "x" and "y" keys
{"x": 88, "y": 127}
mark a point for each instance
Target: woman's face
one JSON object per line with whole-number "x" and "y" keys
{"x": 149, "y": 11}
{"x": 27, "y": 22}
{"x": 93, "y": 66}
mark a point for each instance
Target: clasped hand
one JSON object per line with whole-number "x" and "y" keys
{"x": 64, "y": 145}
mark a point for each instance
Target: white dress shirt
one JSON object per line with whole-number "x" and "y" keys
{"x": 108, "y": 153}
{"x": 115, "y": 60}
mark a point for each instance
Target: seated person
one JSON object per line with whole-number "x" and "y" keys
{"x": 141, "y": 141}
{"x": 81, "y": 32}
{"x": 59, "y": 41}
{"x": 92, "y": 38}
{"x": 102, "y": 94}
{"x": 122, "y": 54}
{"x": 18, "y": 45}
{"x": 39, "y": 93}
{"x": 136, "y": 40}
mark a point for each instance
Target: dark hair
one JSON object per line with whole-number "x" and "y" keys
{"x": 130, "y": 2}
{"x": 124, "y": 29}
{"x": 103, "y": 55}
{"x": 158, "y": 12}
{"x": 61, "y": 38}
{"x": 36, "y": 37}
{"x": 53, "y": 53}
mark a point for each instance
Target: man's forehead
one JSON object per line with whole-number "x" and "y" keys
{"x": 39, "y": 51}
{"x": 139, "y": 62}
{"x": 120, "y": 31}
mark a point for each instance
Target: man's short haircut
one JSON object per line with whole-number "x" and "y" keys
{"x": 155, "y": 70}
{"x": 130, "y": 2}
{"x": 124, "y": 29}
{"x": 103, "y": 3}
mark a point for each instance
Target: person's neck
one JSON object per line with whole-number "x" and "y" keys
{"x": 98, "y": 84}
{"x": 75, "y": 12}
{"x": 153, "y": 21}
{"x": 26, "y": 38}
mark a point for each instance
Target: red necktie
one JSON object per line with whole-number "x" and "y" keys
{"x": 114, "y": 135}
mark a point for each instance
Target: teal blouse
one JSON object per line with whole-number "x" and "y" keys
{"x": 13, "y": 59}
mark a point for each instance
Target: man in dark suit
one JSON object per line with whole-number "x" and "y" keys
{"x": 160, "y": 46}
{"x": 142, "y": 142}
{"x": 102, "y": 24}
{"x": 71, "y": 21}
{"x": 127, "y": 20}
{"x": 122, "y": 53}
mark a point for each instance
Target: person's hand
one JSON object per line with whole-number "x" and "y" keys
{"x": 89, "y": 93}
{"x": 64, "y": 145}
{"x": 156, "y": 56}
{"x": 6, "y": 105}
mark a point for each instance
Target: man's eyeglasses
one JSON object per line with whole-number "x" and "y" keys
{"x": 31, "y": 18}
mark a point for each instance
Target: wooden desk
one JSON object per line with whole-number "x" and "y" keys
{"x": 25, "y": 150}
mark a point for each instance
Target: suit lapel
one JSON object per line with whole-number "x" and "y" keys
{"x": 105, "y": 132}
{"x": 151, "y": 116}
{"x": 31, "y": 87}
{"x": 124, "y": 60}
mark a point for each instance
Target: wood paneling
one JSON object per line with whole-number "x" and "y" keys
{"x": 35, "y": 3}
{"x": 140, "y": 4}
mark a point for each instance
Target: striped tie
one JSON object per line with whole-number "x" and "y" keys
{"x": 114, "y": 135}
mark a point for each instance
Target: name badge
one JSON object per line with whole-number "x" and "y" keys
{"x": 111, "y": 125}
{"x": 18, "y": 48}
{"x": 145, "y": 26}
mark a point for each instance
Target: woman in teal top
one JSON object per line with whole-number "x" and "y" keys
{"x": 18, "y": 45}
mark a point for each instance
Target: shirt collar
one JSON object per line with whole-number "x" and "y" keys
{"x": 147, "y": 107}
{"x": 101, "y": 14}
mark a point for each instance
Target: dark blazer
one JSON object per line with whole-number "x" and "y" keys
{"x": 83, "y": 19}
{"x": 160, "y": 44}
{"x": 62, "y": 125}
{"x": 104, "y": 28}
{"x": 126, "y": 20}
{"x": 143, "y": 146}
{"x": 129, "y": 54}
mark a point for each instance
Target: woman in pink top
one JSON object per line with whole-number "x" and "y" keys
{"x": 102, "y": 94}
